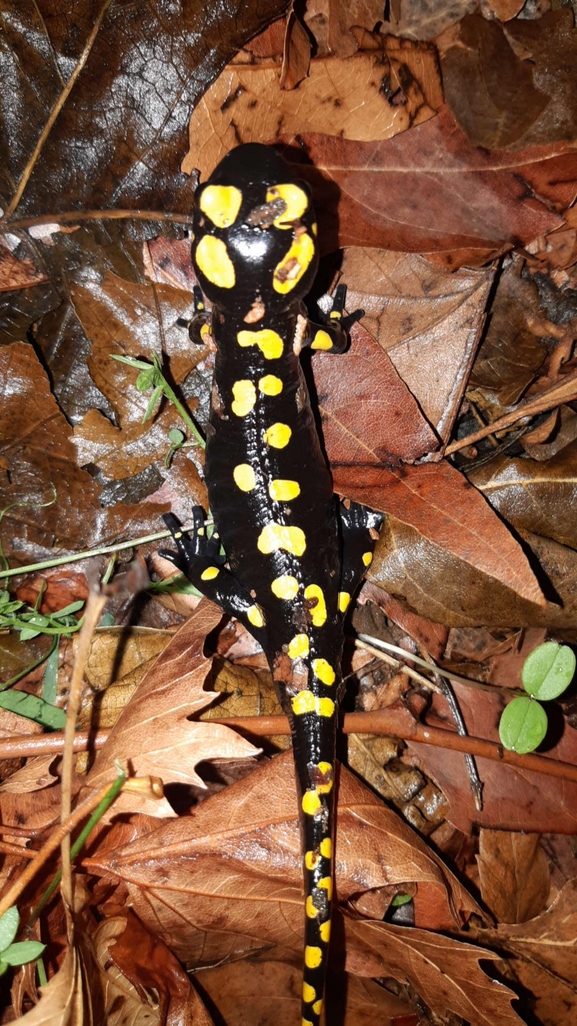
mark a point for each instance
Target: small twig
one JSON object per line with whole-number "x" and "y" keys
{"x": 563, "y": 392}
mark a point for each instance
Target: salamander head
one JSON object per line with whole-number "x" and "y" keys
{"x": 254, "y": 232}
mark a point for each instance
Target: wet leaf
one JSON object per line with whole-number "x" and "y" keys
{"x": 514, "y": 875}
{"x": 548, "y": 671}
{"x": 523, "y": 725}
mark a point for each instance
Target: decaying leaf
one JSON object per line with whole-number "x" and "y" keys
{"x": 514, "y": 875}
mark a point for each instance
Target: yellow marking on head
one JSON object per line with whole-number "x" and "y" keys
{"x": 221, "y": 203}
{"x": 244, "y": 477}
{"x": 325, "y": 707}
{"x": 269, "y": 342}
{"x": 278, "y": 435}
{"x": 294, "y": 264}
{"x": 367, "y": 558}
{"x": 311, "y": 912}
{"x": 213, "y": 260}
{"x": 311, "y": 802}
{"x": 296, "y": 201}
{"x": 210, "y": 573}
{"x": 304, "y": 702}
{"x": 282, "y": 490}
{"x": 311, "y": 859}
{"x": 309, "y": 993}
{"x": 244, "y": 394}
{"x": 318, "y": 611}
{"x": 270, "y": 384}
{"x": 285, "y": 587}
{"x": 255, "y": 616}
{"x": 298, "y": 648}
{"x": 344, "y": 599}
{"x": 323, "y": 670}
{"x": 277, "y": 536}
{"x": 318, "y": 1006}
{"x": 327, "y": 885}
{"x": 326, "y": 848}
{"x": 325, "y": 931}
{"x": 313, "y": 957}
{"x": 322, "y": 340}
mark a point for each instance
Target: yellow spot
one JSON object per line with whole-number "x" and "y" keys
{"x": 309, "y": 993}
{"x": 278, "y": 435}
{"x": 311, "y": 859}
{"x": 318, "y": 1007}
{"x": 255, "y": 616}
{"x": 294, "y": 264}
{"x": 323, "y": 670}
{"x": 210, "y": 573}
{"x": 244, "y": 477}
{"x": 296, "y": 201}
{"x": 270, "y": 384}
{"x": 304, "y": 702}
{"x": 313, "y": 957}
{"x": 205, "y": 330}
{"x": 298, "y": 648}
{"x": 325, "y": 931}
{"x": 312, "y": 913}
{"x": 314, "y": 228}
{"x": 344, "y": 599}
{"x": 318, "y": 612}
{"x": 325, "y": 767}
{"x": 367, "y": 558}
{"x": 283, "y": 491}
{"x": 213, "y": 260}
{"x": 322, "y": 340}
{"x": 325, "y": 707}
{"x": 221, "y": 203}
{"x": 335, "y": 315}
{"x": 326, "y": 848}
{"x": 277, "y": 536}
{"x": 325, "y": 788}
{"x": 327, "y": 884}
{"x": 311, "y": 802}
{"x": 306, "y": 1022}
{"x": 268, "y": 341}
{"x": 285, "y": 587}
{"x": 244, "y": 394}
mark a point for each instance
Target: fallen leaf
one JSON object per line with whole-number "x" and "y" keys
{"x": 514, "y": 875}
{"x": 154, "y": 731}
{"x": 344, "y": 97}
{"x": 16, "y": 272}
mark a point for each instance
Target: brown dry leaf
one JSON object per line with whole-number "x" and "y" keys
{"x": 542, "y": 954}
{"x": 430, "y": 191}
{"x": 154, "y": 732}
{"x": 272, "y": 992}
{"x": 427, "y": 319}
{"x": 296, "y": 52}
{"x": 514, "y": 875}
{"x": 344, "y": 97}
{"x": 125, "y": 319}
{"x": 422, "y": 19}
{"x": 445, "y": 972}
{"x": 62, "y": 999}
{"x": 39, "y": 462}
{"x": 16, "y": 272}
{"x": 431, "y": 636}
{"x": 227, "y": 881}
{"x": 490, "y": 90}
{"x": 532, "y": 495}
{"x": 440, "y": 584}
{"x": 33, "y": 776}
{"x": 511, "y": 354}
{"x": 506, "y": 9}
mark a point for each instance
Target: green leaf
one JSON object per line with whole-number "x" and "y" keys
{"x": 400, "y": 899}
{"x": 548, "y": 670}
{"x": 523, "y": 725}
{"x": 22, "y": 952}
{"x": 9, "y": 927}
{"x": 175, "y": 436}
{"x": 33, "y": 708}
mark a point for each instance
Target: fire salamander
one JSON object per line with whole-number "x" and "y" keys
{"x": 294, "y": 555}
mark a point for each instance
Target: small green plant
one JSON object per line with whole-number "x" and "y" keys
{"x": 546, "y": 673}
{"x": 151, "y": 377}
{"x": 19, "y": 953}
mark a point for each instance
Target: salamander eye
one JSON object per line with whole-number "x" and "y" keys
{"x": 221, "y": 203}
{"x": 296, "y": 201}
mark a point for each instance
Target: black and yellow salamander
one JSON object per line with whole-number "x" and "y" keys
{"x": 294, "y": 555}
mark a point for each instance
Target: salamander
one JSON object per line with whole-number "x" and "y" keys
{"x": 293, "y": 555}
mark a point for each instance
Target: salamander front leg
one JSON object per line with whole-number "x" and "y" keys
{"x": 198, "y": 326}
{"x": 332, "y": 335}
{"x": 198, "y": 557}
{"x": 360, "y": 528}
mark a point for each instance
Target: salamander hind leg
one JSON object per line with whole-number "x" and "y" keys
{"x": 360, "y": 528}
{"x": 199, "y": 558}
{"x": 332, "y": 335}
